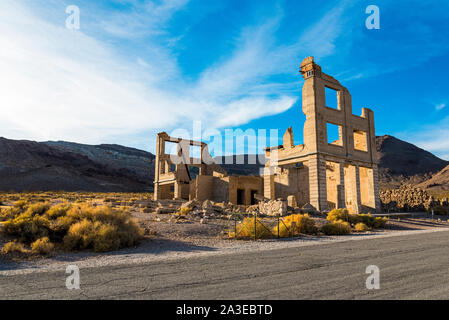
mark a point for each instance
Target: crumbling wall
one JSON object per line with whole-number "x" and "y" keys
{"x": 408, "y": 198}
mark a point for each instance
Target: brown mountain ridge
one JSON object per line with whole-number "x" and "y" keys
{"x": 60, "y": 165}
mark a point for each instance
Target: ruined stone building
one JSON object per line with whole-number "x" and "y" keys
{"x": 326, "y": 174}
{"x": 181, "y": 176}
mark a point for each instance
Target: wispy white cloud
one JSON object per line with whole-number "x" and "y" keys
{"x": 433, "y": 138}
{"x": 440, "y": 106}
{"x": 60, "y": 84}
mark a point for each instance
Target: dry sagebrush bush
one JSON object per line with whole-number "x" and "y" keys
{"x": 78, "y": 227}
{"x": 14, "y": 247}
{"x": 338, "y": 227}
{"x": 303, "y": 224}
{"x": 367, "y": 219}
{"x": 338, "y": 214}
{"x": 250, "y": 227}
{"x": 361, "y": 227}
{"x": 42, "y": 246}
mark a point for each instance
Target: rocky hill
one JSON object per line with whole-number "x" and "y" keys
{"x": 402, "y": 162}
{"x": 29, "y": 165}
{"x": 60, "y": 165}
{"x": 438, "y": 182}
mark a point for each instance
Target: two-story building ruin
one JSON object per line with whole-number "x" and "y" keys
{"x": 326, "y": 174}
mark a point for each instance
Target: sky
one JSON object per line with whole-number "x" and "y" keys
{"x": 136, "y": 67}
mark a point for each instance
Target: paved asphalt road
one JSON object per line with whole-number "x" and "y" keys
{"x": 411, "y": 266}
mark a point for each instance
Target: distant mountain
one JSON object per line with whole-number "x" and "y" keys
{"x": 243, "y": 164}
{"x": 29, "y": 165}
{"x": 60, "y": 165}
{"x": 400, "y": 162}
{"x": 438, "y": 182}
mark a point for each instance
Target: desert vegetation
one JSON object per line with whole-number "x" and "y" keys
{"x": 339, "y": 222}
{"x": 42, "y": 227}
{"x": 46, "y": 223}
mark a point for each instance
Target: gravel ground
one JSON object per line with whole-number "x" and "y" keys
{"x": 192, "y": 239}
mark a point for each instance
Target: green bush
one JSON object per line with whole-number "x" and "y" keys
{"x": 338, "y": 227}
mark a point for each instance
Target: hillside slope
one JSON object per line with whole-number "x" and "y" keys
{"x": 400, "y": 162}
{"x": 29, "y": 165}
{"x": 60, "y": 165}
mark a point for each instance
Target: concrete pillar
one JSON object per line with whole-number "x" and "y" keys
{"x": 317, "y": 183}
{"x": 352, "y": 188}
{"x": 358, "y": 207}
{"x": 376, "y": 188}
{"x": 341, "y": 185}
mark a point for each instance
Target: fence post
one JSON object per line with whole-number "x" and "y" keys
{"x": 278, "y": 226}
{"x": 292, "y": 226}
{"x": 235, "y": 227}
{"x": 255, "y": 226}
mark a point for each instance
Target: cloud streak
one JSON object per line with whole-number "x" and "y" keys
{"x": 60, "y": 84}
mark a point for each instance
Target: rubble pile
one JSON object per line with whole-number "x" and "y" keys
{"x": 408, "y": 198}
{"x": 273, "y": 207}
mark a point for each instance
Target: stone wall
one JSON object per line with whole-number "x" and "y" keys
{"x": 408, "y": 198}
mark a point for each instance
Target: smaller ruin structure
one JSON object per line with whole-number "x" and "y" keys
{"x": 181, "y": 176}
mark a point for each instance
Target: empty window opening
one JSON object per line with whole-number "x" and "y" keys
{"x": 253, "y": 196}
{"x": 331, "y": 98}
{"x": 360, "y": 140}
{"x": 240, "y": 196}
{"x": 171, "y": 148}
{"x": 334, "y": 134}
{"x": 195, "y": 153}
{"x": 194, "y": 172}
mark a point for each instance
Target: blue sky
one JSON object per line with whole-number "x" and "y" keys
{"x": 135, "y": 68}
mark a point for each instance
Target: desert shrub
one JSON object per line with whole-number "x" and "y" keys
{"x": 58, "y": 210}
{"x": 184, "y": 211}
{"x": 303, "y": 224}
{"x": 21, "y": 204}
{"x": 26, "y": 228}
{"x": 78, "y": 227}
{"x": 361, "y": 227}
{"x": 338, "y": 214}
{"x": 14, "y": 247}
{"x": 379, "y": 222}
{"x": 338, "y": 227}
{"x": 248, "y": 228}
{"x": 38, "y": 208}
{"x": 369, "y": 220}
{"x": 9, "y": 213}
{"x": 42, "y": 246}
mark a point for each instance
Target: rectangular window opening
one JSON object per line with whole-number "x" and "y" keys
{"x": 360, "y": 140}
{"x": 334, "y": 134}
{"x": 331, "y": 98}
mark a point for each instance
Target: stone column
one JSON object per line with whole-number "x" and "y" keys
{"x": 341, "y": 185}
{"x": 317, "y": 183}
{"x": 376, "y": 188}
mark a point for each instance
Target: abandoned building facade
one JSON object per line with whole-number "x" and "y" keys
{"x": 325, "y": 174}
